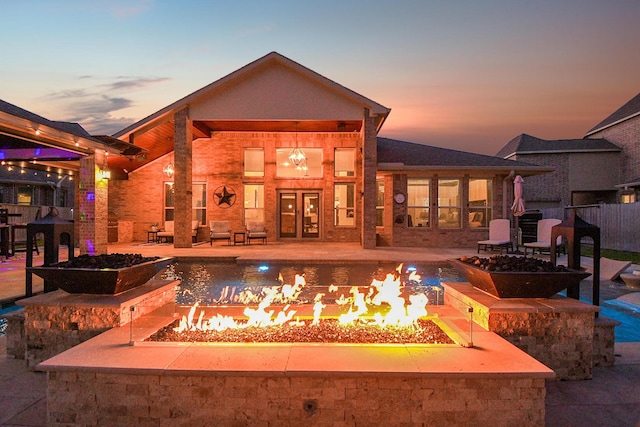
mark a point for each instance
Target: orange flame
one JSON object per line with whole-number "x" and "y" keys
{"x": 385, "y": 294}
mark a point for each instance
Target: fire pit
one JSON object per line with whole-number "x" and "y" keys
{"x": 499, "y": 276}
{"x": 102, "y": 274}
{"x": 382, "y": 312}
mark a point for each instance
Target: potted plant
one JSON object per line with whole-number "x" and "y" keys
{"x": 154, "y": 226}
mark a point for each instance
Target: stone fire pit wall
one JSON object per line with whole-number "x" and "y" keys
{"x": 57, "y": 321}
{"x": 293, "y": 399}
{"x": 558, "y": 332}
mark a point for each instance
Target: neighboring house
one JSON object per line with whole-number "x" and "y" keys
{"x": 622, "y": 128}
{"x": 277, "y": 143}
{"x": 586, "y": 170}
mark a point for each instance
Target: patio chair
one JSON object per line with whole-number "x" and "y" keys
{"x": 195, "y": 225}
{"x": 499, "y": 236}
{"x": 167, "y": 233}
{"x": 219, "y": 230}
{"x": 543, "y": 238}
{"x": 256, "y": 230}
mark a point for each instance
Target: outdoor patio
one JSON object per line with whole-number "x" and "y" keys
{"x": 611, "y": 398}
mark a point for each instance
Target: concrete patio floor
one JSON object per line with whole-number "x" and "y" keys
{"x": 611, "y": 398}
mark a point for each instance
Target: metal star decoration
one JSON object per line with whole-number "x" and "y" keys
{"x": 225, "y": 196}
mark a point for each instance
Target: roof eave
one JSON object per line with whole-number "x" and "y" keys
{"x": 601, "y": 128}
{"x": 394, "y": 167}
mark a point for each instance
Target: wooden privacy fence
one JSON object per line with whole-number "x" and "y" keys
{"x": 28, "y": 214}
{"x": 619, "y": 223}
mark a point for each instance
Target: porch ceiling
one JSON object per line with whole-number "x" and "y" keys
{"x": 158, "y": 140}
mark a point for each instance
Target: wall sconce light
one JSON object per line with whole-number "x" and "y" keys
{"x": 104, "y": 174}
{"x": 168, "y": 170}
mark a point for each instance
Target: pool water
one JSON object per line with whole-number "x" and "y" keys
{"x": 217, "y": 283}
{"x": 3, "y": 322}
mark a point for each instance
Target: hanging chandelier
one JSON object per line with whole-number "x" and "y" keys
{"x": 168, "y": 170}
{"x": 297, "y": 156}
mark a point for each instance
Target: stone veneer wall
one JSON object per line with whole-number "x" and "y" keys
{"x": 57, "y": 321}
{"x": 204, "y": 399}
{"x": 604, "y": 339}
{"x": 558, "y": 332}
{"x": 16, "y": 345}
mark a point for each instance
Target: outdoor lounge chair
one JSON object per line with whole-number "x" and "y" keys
{"x": 219, "y": 230}
{"x": 499, "y": 236}
{"x": 168, "y": 231}
{"x": 543, "y": 237}
{"x": 256, "y": 230}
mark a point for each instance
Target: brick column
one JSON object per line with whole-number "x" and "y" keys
{"x": 369, "y": 170}
{"x": 183, "y": 146}
{"x": 93, "y": 206}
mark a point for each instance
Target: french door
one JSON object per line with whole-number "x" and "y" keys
{"x": 299, "y": 214}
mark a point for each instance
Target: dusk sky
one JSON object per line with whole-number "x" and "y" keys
{"x": 467, "y": 75}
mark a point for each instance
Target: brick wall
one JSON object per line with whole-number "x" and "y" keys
{"x": 627, "y": 136}
{"x": 219, "y": 161}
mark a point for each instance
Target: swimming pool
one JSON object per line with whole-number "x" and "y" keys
{"x": 216, "y": 283}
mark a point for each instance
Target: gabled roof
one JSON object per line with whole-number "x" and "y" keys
{"x": 399, "y": 155}
{"x": 273, "y": 57}
{"x": 627, "y": 111}
{"x": 527, "y": 144}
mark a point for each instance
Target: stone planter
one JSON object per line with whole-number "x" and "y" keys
{"x": 100, "y": 281}
{"x": 518, "y": 284}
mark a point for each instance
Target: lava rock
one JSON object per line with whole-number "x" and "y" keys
{"x": 105, "y": 261}
{"x": 506, "y": 263}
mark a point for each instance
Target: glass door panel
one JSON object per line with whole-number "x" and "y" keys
{"x": 310, "y": 219}
{"x": 288, "y": 217}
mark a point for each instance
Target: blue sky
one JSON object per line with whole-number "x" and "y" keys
{"x": 467, "y": 75}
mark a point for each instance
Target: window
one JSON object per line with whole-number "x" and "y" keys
{"x": 310, "y": 167}
{"x": 628, "y": 198}
{"x": 168, "y": 201}
{"x": 418, "y": 202}
{"x": 379, "y": 202}
{"x": 199, "y": 202}
{"x": 253, "y": 162}
{"x": 480, "y": 206}
{"x": 344, "y": 162}
{"x": 25, "y": 195}
{"x": 344, "y": 205}
{"x": 449, "y": 205}
{"x": 254, "y": 202}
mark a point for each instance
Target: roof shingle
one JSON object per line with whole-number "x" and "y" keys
{"x": 530, "y": 144}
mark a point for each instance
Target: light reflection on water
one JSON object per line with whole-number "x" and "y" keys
{"x": 213, "y": 283}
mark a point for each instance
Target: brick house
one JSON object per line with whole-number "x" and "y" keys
{"x": 586, "y": 170}
{"x": 622, "y": 127}
{"x": 602, "y": 167}
{"x": 275, "y": 142}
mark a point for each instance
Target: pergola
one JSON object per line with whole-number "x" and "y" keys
{"x": 29, "y": 141}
